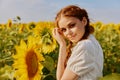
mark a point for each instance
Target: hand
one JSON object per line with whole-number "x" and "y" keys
{"x": 59, "y": 36}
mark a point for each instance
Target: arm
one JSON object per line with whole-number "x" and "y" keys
{"x": 62, "y": 72}
{"x": 61, "y": 62}
{"x": 69, "y": 75}
{"x": 62, "y": 53}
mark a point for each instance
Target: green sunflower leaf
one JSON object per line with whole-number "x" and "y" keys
{"x": 113, "y": 76}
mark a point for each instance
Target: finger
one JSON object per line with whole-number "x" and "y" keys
{"x": 57, "y": 31}
{"x": 53, "y": 31}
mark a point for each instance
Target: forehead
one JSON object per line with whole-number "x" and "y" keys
{"x": 65, "y": 21}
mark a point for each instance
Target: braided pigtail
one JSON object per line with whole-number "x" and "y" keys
{"x": 68, "y": 52}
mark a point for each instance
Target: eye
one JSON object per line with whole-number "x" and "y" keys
{"x": 72, "y": 25}
{"x": 63, "y": 29}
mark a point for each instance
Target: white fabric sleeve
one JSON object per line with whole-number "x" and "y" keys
{"x": 82, "y": 59}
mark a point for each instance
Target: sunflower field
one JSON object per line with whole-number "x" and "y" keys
{"x": 28, "y": 51}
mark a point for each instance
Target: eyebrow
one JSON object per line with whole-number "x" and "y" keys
{"x": 71, "y": 23}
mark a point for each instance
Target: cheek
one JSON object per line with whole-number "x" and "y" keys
{"x": 82, "y": 28}
{"x": 80, "y": 31}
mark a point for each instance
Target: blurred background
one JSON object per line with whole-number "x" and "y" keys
{"x": 28, "y": 50}
{"x": 106, "y": 11}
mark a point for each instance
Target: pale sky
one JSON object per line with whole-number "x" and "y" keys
{"x": 106, "y": 11}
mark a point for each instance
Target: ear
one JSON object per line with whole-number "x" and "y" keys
{"x": 84, "y": 21}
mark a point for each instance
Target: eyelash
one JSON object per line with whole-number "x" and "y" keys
{"x": 70, "y": 26}
{"x": 63, "y": 30}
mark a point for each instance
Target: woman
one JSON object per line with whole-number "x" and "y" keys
{"x": 80, "y": 54}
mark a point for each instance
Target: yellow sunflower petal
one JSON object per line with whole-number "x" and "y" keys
{"x": 26, "y": 60}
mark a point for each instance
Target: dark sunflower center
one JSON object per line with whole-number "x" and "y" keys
{"x": 32, "y": 63}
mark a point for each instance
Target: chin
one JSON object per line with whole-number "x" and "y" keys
{"x": 73, "y": 41}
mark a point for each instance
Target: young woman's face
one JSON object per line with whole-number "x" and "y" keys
{"x": 72, "y": 28}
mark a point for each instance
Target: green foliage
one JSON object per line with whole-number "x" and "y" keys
{"x": 49, "y": 70}
{"x": 6, "y": 73}
{"x": 8, "y": 39}
{"x": 107, "y": 35}
{"x": 113, "y": 76}
{"x": 109, "y": 39}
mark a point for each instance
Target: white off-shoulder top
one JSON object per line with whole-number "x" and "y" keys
{"x": 86, "y": 59}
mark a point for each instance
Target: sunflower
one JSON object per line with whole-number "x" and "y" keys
{"x": 9, "y": 23}
{"x": 31, "y": 26}
{"x": 44, "y": 30}
{"x": 98, "y": 25}
{"x": 117, "y": 28}
{"x": 27, "y": 60}
{"x": 22, "y": 27}
{"x": 2, "y": 26}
